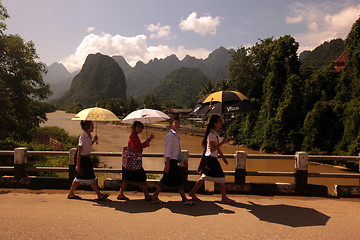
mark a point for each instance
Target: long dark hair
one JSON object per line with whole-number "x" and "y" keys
{"x": 210, "y": 126}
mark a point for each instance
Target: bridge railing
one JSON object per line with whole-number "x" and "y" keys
{"x": 300, "y": 174}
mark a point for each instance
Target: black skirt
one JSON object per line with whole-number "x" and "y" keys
{"x": 134, "y": 176}
{"x": 172, "y": 179}
{"x": 212, "y": 167}
{"x": 86, "y": 168}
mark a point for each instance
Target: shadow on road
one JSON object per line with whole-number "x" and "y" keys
{"x": 288, "y": 215}
{"x": 140, "y": 206}
{"x": 133, "y": 206}
{"x": 283, "y": 214}
{"x": 198, "y": 209}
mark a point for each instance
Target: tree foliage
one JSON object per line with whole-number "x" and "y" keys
{"x": 317, "y": 110}
{"x": 21, "y": 84}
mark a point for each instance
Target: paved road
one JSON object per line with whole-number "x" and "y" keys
{"x": 38, "y": 214}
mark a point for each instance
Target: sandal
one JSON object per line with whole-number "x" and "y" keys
{"x": 103, "y": 197}
{"x": 123, "y": 198}
{"x": 74, "y": 197}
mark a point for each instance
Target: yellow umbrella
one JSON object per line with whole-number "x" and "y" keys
{"x": 96, "y": 114}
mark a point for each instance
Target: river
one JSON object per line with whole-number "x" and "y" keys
{"x": 112, "y": 138}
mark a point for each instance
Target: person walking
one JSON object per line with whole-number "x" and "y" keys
{"x": 211, "y": 170}
{"x": 135, "y": 176}
{"x": 172, "y": 156}
{"x": 83, "y": 165}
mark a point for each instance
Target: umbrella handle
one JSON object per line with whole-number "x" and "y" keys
{"x": 97, "y": 142}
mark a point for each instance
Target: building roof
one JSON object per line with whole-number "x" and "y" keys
{"x": 177, "y": 110}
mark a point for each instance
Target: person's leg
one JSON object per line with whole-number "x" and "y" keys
{"x": 183, "y": 196}
{"x": 224, "y": 197}
{"x": 74, "y": 185}
{"x": 95, "y": 187}
{"x": 192, "y": 193}
{"x": 144, "y": 187}
{"x": 155, "y": 196}
{"x": 122, "y": 189}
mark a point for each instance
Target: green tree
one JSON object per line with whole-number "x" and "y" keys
{"x": 21, "y": 84}
{"x": 131, "y": 105}
{"x": 151, "y": 102}
{"x": 321, "y": 86}
{"x": 322, "y": 128}
{"x": 268, "y": 73}
{"x": 206, "y": 88}
{"x": 116, "y": 105}
{"x": 349, "y": 93}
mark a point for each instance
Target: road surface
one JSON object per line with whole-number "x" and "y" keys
{"x": 47, "y": 214}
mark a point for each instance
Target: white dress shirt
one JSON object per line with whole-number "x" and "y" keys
{"x": 172, "y": 145}
{"x": 85, "y": 141}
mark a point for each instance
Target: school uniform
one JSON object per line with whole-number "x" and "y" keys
{"x": 172, "y": 150}
{"x": 135, "y": 176}
{"x": 86, "y": 174}
{"x": 212, "y": 170}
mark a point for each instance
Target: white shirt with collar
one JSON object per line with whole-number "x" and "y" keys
{"x": 85, "y": 141}
{"x": 172, "y": 145}
{"x": 212, "y": 137}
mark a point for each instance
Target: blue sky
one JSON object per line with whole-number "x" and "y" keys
{"x": 68, "y": 30}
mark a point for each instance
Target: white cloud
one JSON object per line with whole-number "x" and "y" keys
{"x": 202, "y": 25}
{"x": 158, "y": 31}
{"x": 90, "y": 29}
{"x": 133, "y": 49}
{"x": 324, "y": 21}
{"x": 295, "y": 19}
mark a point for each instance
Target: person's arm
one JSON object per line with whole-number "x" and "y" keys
{"x": 223, "y": 157}
{"x": 167, "y": 152}
{"x": 94, "y": 140}
{"x": 77, "y": 168}
{"x": 167, "y": 165}
{"x": 213, "y": 145}
{"x": 146, "y": 143}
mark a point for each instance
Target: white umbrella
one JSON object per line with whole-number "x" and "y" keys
{"x": 145, "y": 116}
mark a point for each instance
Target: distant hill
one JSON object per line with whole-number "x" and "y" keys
{"x": 123, "y": 64}
{"x": 322, "y": 55}
{"x": 180, "y": 86}
{"x": 56, "y": 72}
{"x": 59, "y": 79}
{"x": 143, "y": 78}
{"x": 100, "y": 77}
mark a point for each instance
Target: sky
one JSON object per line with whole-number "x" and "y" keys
{"x": 67, "y": 31}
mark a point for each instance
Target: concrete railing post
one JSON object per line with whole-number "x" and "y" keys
{"x": 20, "y": 161}
{"x": 184, "y": 167}
{"x": 301, "y": 169}
{"x": 240, "y": 167}
{"x": 72, "y": 171}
